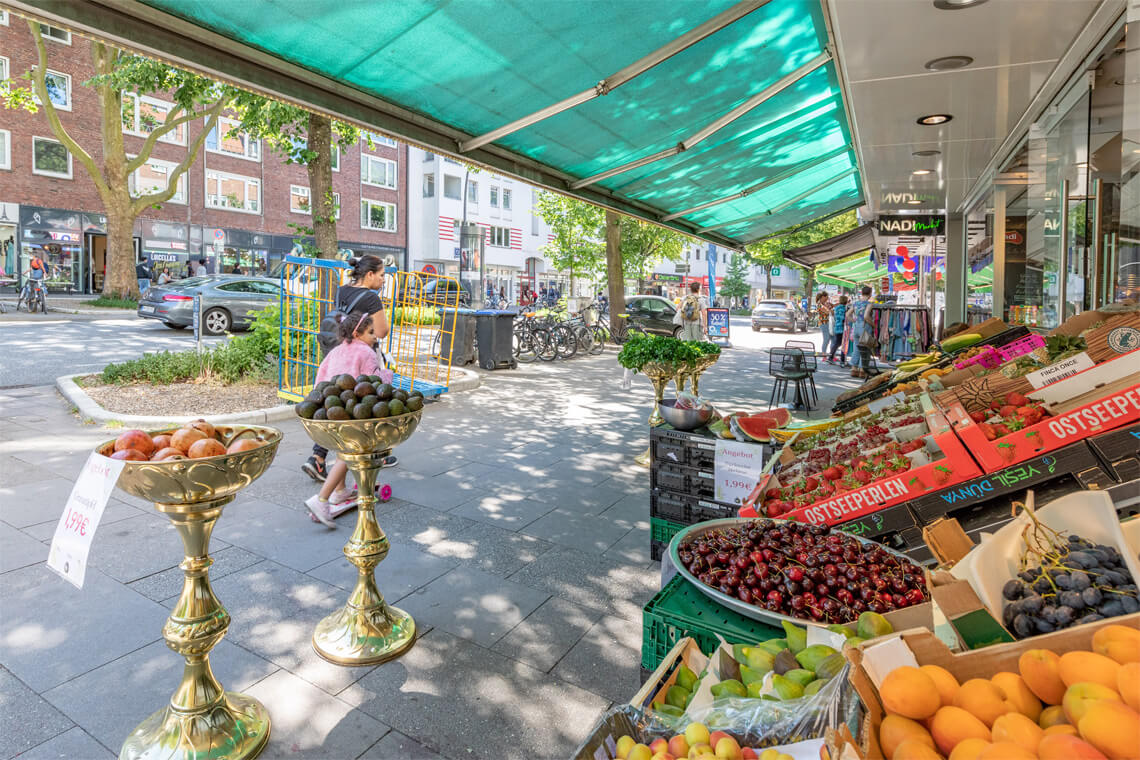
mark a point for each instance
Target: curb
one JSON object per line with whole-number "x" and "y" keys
{"x": 468, "y": 380}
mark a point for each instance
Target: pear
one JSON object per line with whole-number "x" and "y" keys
{"x": 729, "y": 688}
{"x": 812, "y": 656}
{"x": 814, "y": 687}
{"x": 797, "y": 637}
{"x": 751, "y": 675}
{"x": 686, "y": 678}
{"x": 800, "y": 676}
{"x": 755, "y": 688}
{"x": 831, "y": 665}
{"x": 787, "y": 689}
{"x": 872, "y": 624}
{"x": 677, "y": 696}
{"x": 784, "y": 662}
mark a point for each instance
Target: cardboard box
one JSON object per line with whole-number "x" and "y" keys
{"x": 947, "y": 541}
{"x": 969, "y": 618}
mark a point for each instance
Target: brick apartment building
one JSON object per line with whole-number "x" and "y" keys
{"x": 232, "y": 208}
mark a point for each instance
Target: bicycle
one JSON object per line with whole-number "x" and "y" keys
{"x": 620, "y": 334}
{"x": 33, "y": 295}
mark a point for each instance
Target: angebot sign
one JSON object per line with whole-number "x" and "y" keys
{"x": 76, "y": 529}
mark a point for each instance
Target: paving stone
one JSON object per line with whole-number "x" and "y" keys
{"x": 473, "y": 604}
{"x": 15, "y": 472}
{"x": 73, "y": 744}
{"x": 474, "y": 703}
{"x": 32, "y": 503}
{"x": 421, "y": 527}
{"x": 396, "y": 746}
{"x": 584, "y": 532}
{"x": 548, "y": 633}
{"x": 633, "y": 548}
{"x": 18, "y": 549}
{"x": 162, "y": 586}
{"x": 116, "y": 548}
{"x": 632, "y": 510}
{"x": 490, "y": 548}
{"x": 51, "y": 632}
{"x": 115, "y": 511}
{"x": 282, "y": 534}
{"x": 403, "y": 570}
{"x": 606, "y": 660}
{"x": 441, "y": 492}
{"x": 133, "y": 687}
{"x": 505, "y": 510}
{"x": 587, "y": 500}
{"x": 592, "y": 581}
{"x": 26, "y": 720}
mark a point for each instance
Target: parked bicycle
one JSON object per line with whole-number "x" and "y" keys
{"x": 33, "y": 295}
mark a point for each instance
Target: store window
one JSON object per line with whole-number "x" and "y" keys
{"x": 429, "y": 185}
{"x": 142, "y": 115}
{"x": 225, "y": 139}
{"x": 55, "y": 34}
{"x": 499, "y": 236}
{"x": 5, "y": 149}
{"x": 300, "y": 201}
{"x": 980, "y": 261}
{"x": 50, "y": 158}
{"x": 452, "y": 187}
{"x": 233, "y": 192}
{"x": 378, "y": 172}
{"x": 376, "y": 215}
{"x": 154, "y": 176}
{"x": 494, "y": 196}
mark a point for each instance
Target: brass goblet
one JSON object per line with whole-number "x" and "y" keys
{"x": 366, "y": 630}
{"x": 659, "y": 373}
{"x": 697, "y": 369}
{"x": 202, "y": 720}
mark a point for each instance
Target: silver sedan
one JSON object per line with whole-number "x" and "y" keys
{"x": 228, "y": 301}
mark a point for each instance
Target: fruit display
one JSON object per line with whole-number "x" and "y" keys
{"x": 1008, "y": 414}
{"x": 357, "y": 398}
{"x": 755, "y": 427}
{"x": 194, "y": 440}
{"x": 806, "y": 572}
{"x": 696, "y": 742}
{"x": 1057, "y": 348}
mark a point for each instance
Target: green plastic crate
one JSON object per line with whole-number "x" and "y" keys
{"x": 679, "y": 610}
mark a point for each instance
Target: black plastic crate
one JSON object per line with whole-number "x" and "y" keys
{"x": 684, "y": 448}
{"x": 687, "y": 480}
{"x": 1120, "y": 451}
{"x": 914, "y": 547}
{"x": 687, "y": 510}
{"x": 880, "y": 523}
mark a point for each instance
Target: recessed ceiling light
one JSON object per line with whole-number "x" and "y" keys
{"x": 921, "y": 172}
{"x": 956, "y": 5}
{"x": 949, "y": 63}
{"x": 934, "y": 118}
{"x": 926, "y": 153}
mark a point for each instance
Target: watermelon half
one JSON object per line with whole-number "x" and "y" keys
{"x": 756, "y": 426}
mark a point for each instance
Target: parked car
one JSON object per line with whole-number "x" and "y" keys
{"x": 228, "y": 301}
{"x": 653, "y": 314}
{"x": 785, "y": 315}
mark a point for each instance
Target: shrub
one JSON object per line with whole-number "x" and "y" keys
{"x": 113, "y": 303}
{"x": 416, "y": 315}
{"x": 239, "y": 358}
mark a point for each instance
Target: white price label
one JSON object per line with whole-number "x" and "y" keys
{"x": 76, "y": 529}
{"x": 736, "y": 468}
{"x": 1060, "y": 370}
{"x": 880, "y": 404}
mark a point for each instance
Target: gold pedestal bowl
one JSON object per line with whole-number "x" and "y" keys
{"x": 366, "y": 630}
{"x": 202, "y": 720}
{"x": 659, "y": 374}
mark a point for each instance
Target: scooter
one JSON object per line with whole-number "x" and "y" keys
{"x": 383, "y": 495}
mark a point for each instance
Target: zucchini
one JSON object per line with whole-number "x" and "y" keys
{"x": 958, "y": 342}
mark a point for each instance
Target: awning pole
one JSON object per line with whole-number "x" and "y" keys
{"x": 785, "y": 204}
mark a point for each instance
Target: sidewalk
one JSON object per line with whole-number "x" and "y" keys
{"x": 520, "y": 543}
{"x": 61, "y": 303}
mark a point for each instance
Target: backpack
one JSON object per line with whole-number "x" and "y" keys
{"x": 327, "y": 336}
{"x": 691, "y": 308}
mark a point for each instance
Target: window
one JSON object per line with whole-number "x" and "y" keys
{"x": 224, "y": 139}
{"x": 58, "y": 89}
{"x": 500, "y": 236}
{"x": 253, "y": 287}
{"x": 154, "y": 176}
{"x": 55, "y": 34}
{"x": 506, "y": 199}
{"x": 142, "y": 115}
{"x": 697, "y": 254}
{"x": 50, "y": 158}
{"x": 300, "y": 145}
{"x": 429, "y": 185}
{"x": 3, "y": 68}
{"x": 5, "y": 149}
{"x": 233, "y": 192}
{"x": 428, "y": 156}
{"x": 3, "y": 18}
{"x": 494, "y": 196}
{"x": 533, "y": 224}
{"x": 375, "y": 215}
{"x": 472, "y": 192}
{"x": 335, "y": 158}
{"x": 452, "y": 187}
{"x": 376, "y": 139}
{"x": 300, "y": 202}
{"x": 377, "y": 171}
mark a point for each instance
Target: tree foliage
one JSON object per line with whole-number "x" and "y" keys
{"x": 644, "y": 245}
{"x": 735, "y": 283}
{"x": 578, "y": 245}
{"x": 769, "y": 252}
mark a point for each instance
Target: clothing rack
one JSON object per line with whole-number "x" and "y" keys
{"x": 902, "y": 329}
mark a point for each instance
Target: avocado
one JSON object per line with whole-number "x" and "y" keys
{"x": 321, "y": 414}
{"x": 306, "y": 409}
{"x": 332, "y": 401}
{"x": 361, "y": 411}
{"x": 677, "y": 696}
{"x": 415, "y": 394}
{"x": 330, "y": 391}
{"x": 396, "y": 407}
{"x": 414, "y": 404}
{"x": 338, "y": 413}
{"x": 315, "y": 396}
{"x": 380, "y": 409}
{"x": 350, "y": 405}
{"x": 374, "y": 379}
{"x": 686, "y": 678}
{"x": 370, "y": 399}
{"x": 322, "y": 385}
{"x": 347, "y": 396}
{"x": 362, "y": 379}
{"x": 384, "y": 391}
{"x": 364, "y": 389}
{"x": 400, "y": 394}
{"x": 346, "y": 382}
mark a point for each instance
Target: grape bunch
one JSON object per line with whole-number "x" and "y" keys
{"x": 803, "y": 571}
{"x": 1076, "y": 582}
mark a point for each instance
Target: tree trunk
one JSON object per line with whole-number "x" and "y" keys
{"x": 320, "y": 185}
{"x": 120, "y": 280}
{"x": 767, "y": 282}
{"x": 615, "y": 274}
{"x": 810, "y": 283}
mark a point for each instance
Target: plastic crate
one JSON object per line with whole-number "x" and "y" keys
{"x": 684, "y": 509}
{"x": 690, "y": 481}
{"x": 1120, "y": 451}
{"x": 680, "y": 447}
{"x": 661, "y": 532}
{"x": 679, "y": 610}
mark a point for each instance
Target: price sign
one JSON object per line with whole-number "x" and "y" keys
{"x": 72, "y": 540}
{"x": 1060, "y": 370}
{"x": 718, "y": 323}
{"x": 736, "y": 469}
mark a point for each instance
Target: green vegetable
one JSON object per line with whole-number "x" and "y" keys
{"x": 640, "y": 350}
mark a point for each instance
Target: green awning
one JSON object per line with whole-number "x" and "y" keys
{"x": 733, "y": 125}
{"x": 981, "y": 280}
{"x": 851, "y": 272}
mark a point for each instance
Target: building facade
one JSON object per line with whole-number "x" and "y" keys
{"x": 233, "y": 207}
{"x": 671, "y": 278}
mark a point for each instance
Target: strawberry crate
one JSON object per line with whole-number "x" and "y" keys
{"x": 684, "y": 509}
{"x": 661, "y": 532}
{"x": 687, "y": 480}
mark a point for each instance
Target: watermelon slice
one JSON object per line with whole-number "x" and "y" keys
{"x": 755, "y": 427}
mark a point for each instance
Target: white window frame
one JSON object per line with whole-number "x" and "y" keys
{"x": 366, "y": 216}
{"x": 6, "y": 150}
{"x": 219, "y": 175}
{"x": 67, "y": 78}
{"x": 132, "y": 182}
{"x": 429, "y": 185}
{"x": 3, "y": 18}
{"x": 65, "y": 40}
{"x": 494, "y": 196}
{"x": 294, "y": 190}
{"x": 496, "y": 236}
{"x": 43, "y": 173}
{"x": 4, "y": 70}
{"x": 458, "y": 197}
{"x": 377, "y": 139}
{"x": 224, "y": 130}
{"x": 171, "y": 137}
{"x": 335, "y": 158}
{"x": 366, "y": 161}
{"x": 505, "y": 197}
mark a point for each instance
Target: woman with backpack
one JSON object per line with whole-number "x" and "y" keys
{"x": 691, "y": 314}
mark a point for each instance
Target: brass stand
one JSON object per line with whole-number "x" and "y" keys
{"x": 698, "y": 369}
{"x": 366, "y": 630}
{"x": 660, "y": 375}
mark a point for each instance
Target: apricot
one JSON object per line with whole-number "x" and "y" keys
{"x": 1128, "y": 684}
{"x": 969, "y": 749}
{"x": 952, "y": 725}
{"x": 982, "y": 699}
{"x": 1083, "y": 667}
{"x": 1017, "y": 693}
{"x": 184, "y": 438}
{"x": 243, "y": 444}
{"x": 204, "y": 426}
{"x": 909, "y": 692}
{"x": 658, "y": 745}
{"x": 1061, "y": 729}
{"x": 915, "y": 749}
{"x": 1006, "y": 751}
{"x": 640, "y": 752}
{"x": 1113, "y": 728}
{"x": 207, "y": 447}
{"x": 135, "y": 439}
{"x": 1054, "y": 715}
{"x": 624, "y": 745}
{"x": 944, "y": 681}
{"x": 1017, "y": 728}
{"x": 168, "y": 452}
{"x": 161, "y": 441}
{"x": 895, "y": 729}
{"x": 1040, "y": 669}
{"x": 679, "y": 746}
{"x": 1117, "y": 642}
{"x": 1080, "y": 697}
{"x": 1065, "y": 747}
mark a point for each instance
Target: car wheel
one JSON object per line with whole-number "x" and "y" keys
{"x": 173, "y": 326}
{"x": 755, "y": 328}
{"x": 677, "y": 331}
{"x": 216, "y": 321}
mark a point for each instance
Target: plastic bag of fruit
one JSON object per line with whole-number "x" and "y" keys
{"x": 689, "y": 401}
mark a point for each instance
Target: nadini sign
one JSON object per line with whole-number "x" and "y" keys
{"x": 922, "y": 224}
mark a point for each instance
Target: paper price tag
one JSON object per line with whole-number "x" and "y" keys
{"x": 76, "y": 529}
{"x": 1060, "y": 370}
{"x": 736, "y": 467}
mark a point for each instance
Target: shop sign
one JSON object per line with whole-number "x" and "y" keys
{"x": 922, "y": 224}
{"x": 96, "y": 223}
{"x": 737, "y": 469}
{"x": 1014, "y": 237}
{"x": 166, "y": 257}
{"x": 657, "y": 277}
{"x": 76, "y": 528}
{"x": 717, "y": 323}
{"x": 9, "y": 213}
{"x": 901, "y": 199}
{"x": 34, "y": 217}
{"x": 1124, "y": 339}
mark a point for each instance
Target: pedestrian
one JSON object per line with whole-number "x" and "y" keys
{"x": 823, "y": 314}
{"x": 200, "y": 268}
{"x": 861, "y": 325}
{"x": 143, "y": 277}
{"x": 692, "y": 313}
{"x": 838, "y": 318}
{"x": 359, "y": 295}
{"x": 164, "y": 277}
{"x": 356, "y": 355}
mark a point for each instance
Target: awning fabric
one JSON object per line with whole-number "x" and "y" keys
{"x": 850, "y": 273}
{"x": 839, "y": 247}
{"x": 442, "y": 73}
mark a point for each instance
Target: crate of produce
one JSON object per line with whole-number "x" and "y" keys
{"x": 1120, "y": 451}
{"x": 661, "y": 532}
{"x": 881, "y": 523}
{"x": 684, "y": 509}
{"x": 687, "y": 480}
{"x": 679, "y": 447}
{"x": 679, "y": 610}
{"x": 915, "y": 547}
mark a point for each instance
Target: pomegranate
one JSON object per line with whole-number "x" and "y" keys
{"x": 184, "y": 438}
{"x": 206, "y": 447}
{"x": 204, "y": 426}
{"x": 243, "y": 444}
{"x": 161, "y": 441}
{"x": 168, "y": 452}
{"x": 135, "y": 439}
{"x": 131, "y": 455}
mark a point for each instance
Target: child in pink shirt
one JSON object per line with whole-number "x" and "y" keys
{"x": 356, "y": 355}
